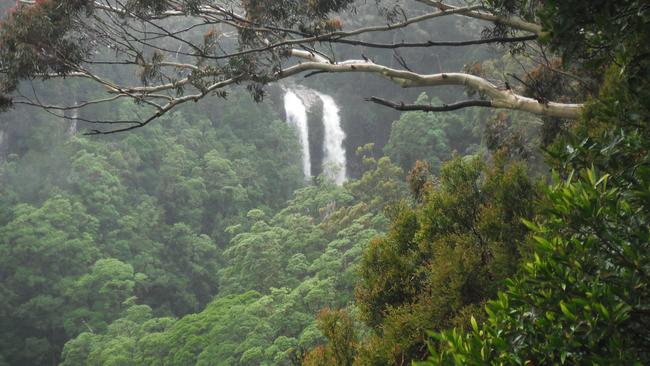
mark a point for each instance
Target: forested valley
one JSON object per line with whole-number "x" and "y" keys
{"x": 324, "y": 182}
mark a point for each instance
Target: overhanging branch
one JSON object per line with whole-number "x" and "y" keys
{"x": 498, "y": 97}
{"x": 401, "y": 106}
{"x": 180, "y": 76}
{"x": 511, "y": 21}
{"x": 438, "y": 43}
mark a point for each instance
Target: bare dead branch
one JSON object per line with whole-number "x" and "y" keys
{"x": 401, "y": 106}
{"x": 404, "y": 44}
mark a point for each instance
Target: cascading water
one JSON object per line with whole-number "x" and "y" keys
{"x": 72, "y": 129}
{"x": 297, "y": 117}
{"x": 3, "y": 145}
{"x": 333, "y": 149}
{"x": 297, "y": 104}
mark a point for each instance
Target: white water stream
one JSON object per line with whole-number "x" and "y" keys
{"x": 72, "y": 128}
{"x": 3, "y": 145}
{"x": 297, "y": 117}
{"x": 296, "y": 105}
{"x": 334, "y": 151}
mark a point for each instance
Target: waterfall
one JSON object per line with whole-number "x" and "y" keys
{"x": 72, "y": 129}
{"x": 333, "y": 149}
{"x": 3, "y": 145}
{"x": 296, "y": 104}
{"x": 297, "y": 117}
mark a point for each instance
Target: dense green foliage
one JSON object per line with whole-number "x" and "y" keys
{"x": 432, "y": 137}
{"x": 89, "y": 224}
{"x": 583, "y": 298}
{"x": 581, "y": 294}
{"x": 197, "y": 242}
{"x": 340, "y": 329}
{"x": 441, "y": 259}
{"x": 300, "y": 260}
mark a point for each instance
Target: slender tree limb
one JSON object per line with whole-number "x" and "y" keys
{"x": 31, "y": 103}
{"x": 339, "y": 36}
{"x": 401, "y": 106}
{"x": 513, "y": 22}
{"x": 438, "y": 43}
{"x": 169, "y": 106}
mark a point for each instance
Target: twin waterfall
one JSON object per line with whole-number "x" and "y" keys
{"x": 296, "y": 107}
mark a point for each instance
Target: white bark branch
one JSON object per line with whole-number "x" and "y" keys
{"x": 499, "y": 98}
{"x": 316, "y": 62}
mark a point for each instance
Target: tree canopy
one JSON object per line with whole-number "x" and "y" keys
{"x": 514, "y": 239}
{"x": 184, "y": 51}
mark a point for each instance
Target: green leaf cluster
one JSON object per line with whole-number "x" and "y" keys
{"x": 582, "y": 299}
{"x": 278, "y": 273}
{"x": 89, "y": 224}
{"x": 442, "y": 258}
{"x": 431, "y": 137}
